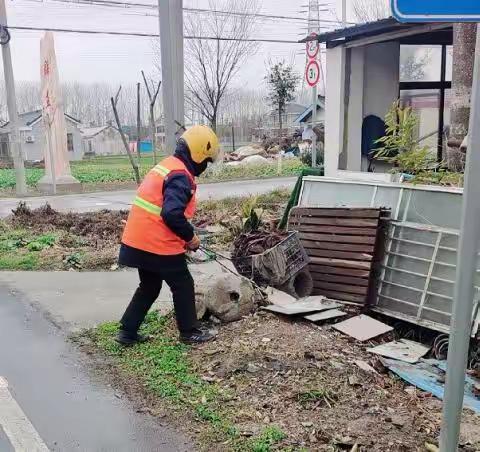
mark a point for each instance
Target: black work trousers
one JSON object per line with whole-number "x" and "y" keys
{"x": 181, "y": 284}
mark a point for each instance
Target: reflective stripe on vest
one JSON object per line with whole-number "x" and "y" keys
{"x": 161, "y": 170}
{"x": 146, "y": 205}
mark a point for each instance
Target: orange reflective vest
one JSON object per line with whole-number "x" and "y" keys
{"x": 145, "y": 228}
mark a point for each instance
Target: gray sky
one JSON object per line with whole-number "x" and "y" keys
{"x": 100, "y": 58}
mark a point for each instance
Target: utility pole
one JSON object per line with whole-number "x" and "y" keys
{"x": 314, "y": 27}
{"x": 171, "y": 45}
{"x": 344, "y": 13}
{"x": 461, "y": 324}
{"x": 15, "y": 143}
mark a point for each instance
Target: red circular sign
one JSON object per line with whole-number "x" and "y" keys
{"x": 312, "y": 47}
{"x": 312, "y": 73}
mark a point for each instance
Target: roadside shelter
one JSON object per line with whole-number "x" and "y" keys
{"x": 371, "y": 65}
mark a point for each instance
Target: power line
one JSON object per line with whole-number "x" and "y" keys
{"x": 143, "y": 35}
{"x": 120, "y": 4}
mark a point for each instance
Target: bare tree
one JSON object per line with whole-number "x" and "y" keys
{"x": 114, "y": 102}
{"x": 213, "y": 64}
{"x": 152, "y": 97}
{"x": 371, "y": 10}
{"x": 464, "y": 38}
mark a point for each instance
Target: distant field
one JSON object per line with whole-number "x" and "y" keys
{"x": 117, "y": 170}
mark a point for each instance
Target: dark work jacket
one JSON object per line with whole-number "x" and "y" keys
{"x": 177, "y": 192}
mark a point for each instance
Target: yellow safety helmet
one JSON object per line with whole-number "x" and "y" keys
{"x": 202, "y": 142}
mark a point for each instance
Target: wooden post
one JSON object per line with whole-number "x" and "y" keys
{"x": 124, "y": 138}
{"x": 138, "y": 124}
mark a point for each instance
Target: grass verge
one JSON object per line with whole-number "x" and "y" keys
{"x": 165, "y": 369}
{"x": 48, "y": 240}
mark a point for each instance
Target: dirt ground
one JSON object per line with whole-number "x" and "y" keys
{"x": 304, "y": 378}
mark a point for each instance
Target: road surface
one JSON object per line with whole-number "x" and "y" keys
{"x": 118, "y": 200}
{"x": 49, "y": 403}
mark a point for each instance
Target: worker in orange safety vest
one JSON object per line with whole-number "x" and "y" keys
{"x": 158, "y": 233}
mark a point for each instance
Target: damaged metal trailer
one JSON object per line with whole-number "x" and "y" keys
{"x": 417, "y": 274}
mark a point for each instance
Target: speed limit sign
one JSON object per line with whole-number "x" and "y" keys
{"x": 312, "y": 47}
{"x": 312, "y": 73}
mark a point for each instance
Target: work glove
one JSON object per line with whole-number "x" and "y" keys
{"x": 194, "y": 244}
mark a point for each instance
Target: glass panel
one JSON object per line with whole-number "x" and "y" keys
{"x": 448, "y": 102}
{"x": 449, "y": 65}
{"x": 426, "y": 104}
{"x": 420, "y": 63}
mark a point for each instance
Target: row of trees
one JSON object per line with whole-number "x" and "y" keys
{"x": 91, "y": 104}
{"x": 211, "y": 70}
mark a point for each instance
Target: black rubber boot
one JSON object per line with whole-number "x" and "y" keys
{"x": 197, "y": 336}
{"x": 126, "y": 338}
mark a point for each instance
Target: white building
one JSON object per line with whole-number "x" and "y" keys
{"x": 369, "y": 66}
{"x": 32, "y": 134}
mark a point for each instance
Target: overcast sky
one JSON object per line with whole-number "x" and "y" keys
{"x": 114, "y": 59}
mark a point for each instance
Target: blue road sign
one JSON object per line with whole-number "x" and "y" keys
{"x": 436, "y": 10}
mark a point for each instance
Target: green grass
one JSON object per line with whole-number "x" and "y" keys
{"x": 118, "y": 170}
{"x": 323, "y": 395}
{"x": 19, "y": 261}
{"x": 163, "y": 366}
{"x": 20, "y": 250}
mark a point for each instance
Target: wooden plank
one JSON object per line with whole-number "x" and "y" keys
{"x": 322, "y": 269}
{"x": 340, "y": 288}
{"x": 329, "y": 221}
{"x": 340, "y": 255}
{"x": 340, "y": 279}
{"x": 336, "y": 212}
{"x": 340, "y": 263}
{"x": 312, "y": 245}
{"x": 371, "y": 232}
{"x": 337, "y": 238}
{"x": 341, "y": 296}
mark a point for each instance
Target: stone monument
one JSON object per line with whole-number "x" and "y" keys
{"x": 57, "y": 167}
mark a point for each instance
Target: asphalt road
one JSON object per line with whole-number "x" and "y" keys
{"x": 49, "y": 402}
{"x": 118, "y": 200}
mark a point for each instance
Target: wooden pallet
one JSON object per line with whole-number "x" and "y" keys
{"x": 342, "y": 244}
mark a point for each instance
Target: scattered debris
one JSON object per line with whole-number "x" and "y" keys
{"x": 362, "y": 327}
{"x": 365, "y": 367}
{"x": 431, "y": 447}
{"x": 425, "y": 374}
{"x": 403, "y": 350}
{"x": 353, "y": 380}
{"x": 226, "y": 296}
{"x": 326, "y": 315}
{"x": 256, "y": 242}
{"x": 278, "y": 297}
{"x": 302, "y": 307}
{"x": 269, "y": 257}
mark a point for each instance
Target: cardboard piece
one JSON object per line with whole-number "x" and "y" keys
{"x": 403, "y": 350}
{"x": 362, "y": 327}
{"x": 302, "y": 307}
{"x": 325, "y": 315}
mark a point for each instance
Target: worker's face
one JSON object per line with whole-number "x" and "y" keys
{"x": 199, "y": 168}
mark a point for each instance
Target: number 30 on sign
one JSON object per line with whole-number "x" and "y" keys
{"x": 312, "y": 73}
